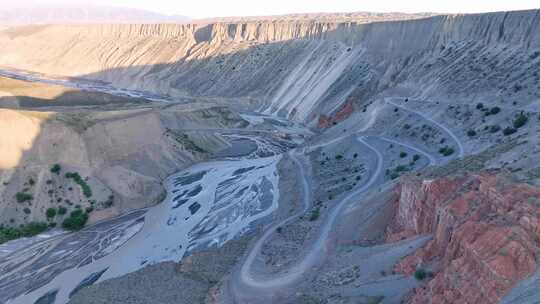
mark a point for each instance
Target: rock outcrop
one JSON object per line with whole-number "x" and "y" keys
{"x": 343, "y": 113}
{"x": 485, "y": 231}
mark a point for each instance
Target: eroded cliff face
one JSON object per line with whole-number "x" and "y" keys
{"x": 485, "y": 231}
{"x": 300, "y": 69}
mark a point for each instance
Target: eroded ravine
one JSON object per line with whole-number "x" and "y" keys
{"x": 207, "y": 204}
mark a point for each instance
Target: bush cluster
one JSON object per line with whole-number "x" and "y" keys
{"x": 56, "y": 169}
{"x": 87, "y": 191}
{"x": 76, "y": 220}
{"x": 51, "y": 213}
{"x": 22, "y": 197}
{"x": 509, "y": 131}
{"x": 446, "y": 151}
{"x": 520, "y": 121}
{"x": 315, "y": 214}
{"x": 471, "y": 133}
{"x": 28, "y": 230}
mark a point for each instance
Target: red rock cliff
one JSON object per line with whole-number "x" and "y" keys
{"x": 486, "y": 235}
{"x": 342, "y": 114}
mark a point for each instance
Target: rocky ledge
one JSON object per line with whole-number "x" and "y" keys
{"x": 486, "y": 235}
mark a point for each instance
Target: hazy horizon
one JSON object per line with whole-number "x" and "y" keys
{"x": 202, "y": 9}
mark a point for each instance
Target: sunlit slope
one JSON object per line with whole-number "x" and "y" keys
{"x": 299, "y": 69}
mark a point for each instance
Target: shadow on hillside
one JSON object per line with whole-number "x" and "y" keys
{"x": 71, "y": 98}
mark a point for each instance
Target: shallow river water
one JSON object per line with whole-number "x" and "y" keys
{"x": 207, "y": 204}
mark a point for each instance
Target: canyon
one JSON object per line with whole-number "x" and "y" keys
{"x": 362, "y": 158}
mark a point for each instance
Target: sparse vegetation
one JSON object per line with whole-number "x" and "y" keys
{"x": 396, "y": 172}
{"x": 22, "y": 197}
{"x": 51, "y": 213}
{"x": 56, "y": 168}
{"x": 87, "y": 191}
{"x": 401, "y": 168}
{"x": 494, "y": 110}
{"x": 62, "y": 210}
{"x": 315, "y": 214}
{"x": 494, "y": 129}
{"x": 420, "y": 274}
{"x": 520, "y": 120}
{"x": 509, "y": 131}
{"x": 446, "y": 151}
{"x": 28, "y": 230}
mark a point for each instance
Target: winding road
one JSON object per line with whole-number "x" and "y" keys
{"x": 246, "y": 277}
{"x": 447, "y": 130}
{"x": 430, "y": 157}
{"x": 270, "y": 284}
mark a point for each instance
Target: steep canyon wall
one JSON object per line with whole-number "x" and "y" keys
{"x": 296, "y": 68}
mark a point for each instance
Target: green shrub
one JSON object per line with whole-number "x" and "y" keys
{"x": 416, "y": 157}
{"x": 56, "y": 168}
{"x": 51, "y": 213}
{"x": 28, "y": 230}
{"x": 494, "y": 110}
{"x": 401, "y": 168}
{"x": 76, "y": 220}
{"x": 27, "y": 210}
{"x": 315, "y": 214}
{"x": 446, "y": 151}
{"x": 22, "y": 197}
{"x": 33, "y": 228}
{"x": 62, "y": 210}
{"x": 471, "y": 133}
{"x": 339, "y": 156}
{"x": 520, "y": 121}
{"x": 420, "y": 274}
{"x": 509, "y": 131}
{"x": 87, "y": 191}
{"x": 479, "y": 106}
{"x": 394, "y": 175}
{"x": 494, "y": 129}
{"x": 402, "y": 154}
